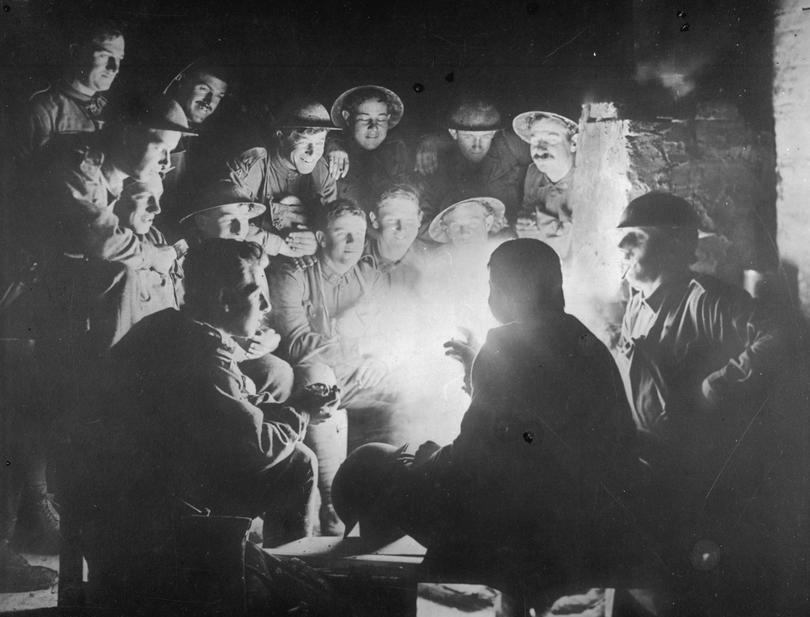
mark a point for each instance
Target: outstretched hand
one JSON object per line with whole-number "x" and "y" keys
{"x": 464, "y": 349}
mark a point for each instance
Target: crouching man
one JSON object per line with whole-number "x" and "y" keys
{"x": 189, "y": 430}
{"x": 528, "y": 492}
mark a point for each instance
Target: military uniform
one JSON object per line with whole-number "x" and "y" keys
{"x": 58, "y": 110}
{"x": 500, "y": 174}
{"x": 547, "y": 203}
{"x": 265, "y": 177}
{"x": 184, "y": 424}
{"x": 372, "y": 172}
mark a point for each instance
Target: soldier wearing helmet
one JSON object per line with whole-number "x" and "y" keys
{"x": 699, "y": 360}
{"x": 482, "y": 157}
{"x": 545, "y": 213}
{"x": 376, "y": 158}
{"x": 293, "y": 165}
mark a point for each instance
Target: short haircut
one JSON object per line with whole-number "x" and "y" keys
{"x": 87, "y": 31}
{"x": 528, "y": 272}
{"x": 401, "y": 191}
{"x": 359, "y": 96}
{"x": 335, "y": 209}
{"x": 217, "y": 265}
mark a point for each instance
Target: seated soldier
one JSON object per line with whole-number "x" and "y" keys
{"x": 323, "y": 315}
{"x": 525, "y": 494}
{"x": 545, "y": 213}
{"x": 225, "y": 211}
{"x": 466, "y": 232}
{"x": 395, "y": 219}
{"x": 376, "y": 160}
{"x": 483, "y": 158}
{"x": 189, "y": 431}
{"x": 292, "y": 166}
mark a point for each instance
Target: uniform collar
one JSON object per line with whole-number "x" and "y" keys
{"x": 657, "y": 298}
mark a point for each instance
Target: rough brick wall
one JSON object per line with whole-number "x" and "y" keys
{"x": 714, "y": 159}
{"x": 791, "y": 103}
{"x": 723, "y": 167}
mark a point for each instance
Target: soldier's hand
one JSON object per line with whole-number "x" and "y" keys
{"x": 463, "y": 349}
{"x": 427, "y": 156}
{"x": 317, "y": 399}
{"x": 261, "y": 344}
{"x": 299, "y": 244}
{"x": 164, "y": 258}
{"x": 287, "y": 216}
{"x": 338, "y": 161}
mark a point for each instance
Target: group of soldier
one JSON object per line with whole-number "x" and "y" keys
{"x": 230, "y": 362}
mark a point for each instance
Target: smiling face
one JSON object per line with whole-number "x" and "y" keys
{"x": 99, "y": 63}
{"x": 551, "y": 148}
{"x": 200, "y": 94}
{"x": 473, "y": 145}
{"x": 369, "y": 123}
{"x": 397, "y": 223}
{"x": 303, "y": 149}
{"x": 139, "y": 204}
{"x": 342, "y": 240}
{"x": 468, "y": 224}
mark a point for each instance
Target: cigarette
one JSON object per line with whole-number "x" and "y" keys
{"x": 627, "y": 269}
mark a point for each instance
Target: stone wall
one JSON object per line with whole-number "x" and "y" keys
{"x": 726, "y": 170}
{"x": 714, "y": 159}
{"x": 791, "y": 101}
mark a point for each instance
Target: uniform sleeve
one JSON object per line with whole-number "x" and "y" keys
{"x": 91, "y": 219}
{"x": 325, "y": 185}
{"x": 246, "y": 171}
{"x": 738, "y": 322}
{"x": 36, "y": 127}
{"x": 301, "y": 344}
{"x": 257, "y": 435}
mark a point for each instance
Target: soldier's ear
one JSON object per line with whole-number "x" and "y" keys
{"x": 453, "y": 134}
{"x": 321, "y": 238}
{"x": 346, "y": 115}
{"x": 489, "y": 221}
{"x": 574, "y": 140}
{"x": 375, "y": 223}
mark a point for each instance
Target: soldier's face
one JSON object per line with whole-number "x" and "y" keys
{"x": 230, "y": 222}
{"x": 397, "y": 223}
{"x": 100, "y": 62}
{"x": 369, "y": 124}
{"x": 305, "y": 150}
{"x": 468, "y": 224}
{"x": 200, "y": 95}
{"x": 149, "y": 151}
{"x": 551, "y": 149}
{"x": 138, "y": 210}
{"x": 252, "y": 302}
{"x": 342, "y": 240}
{"x": 641, "y": 258}
{"x": 473, "y": 145}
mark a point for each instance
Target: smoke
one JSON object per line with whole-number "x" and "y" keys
{"x": 678, "y": 77}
